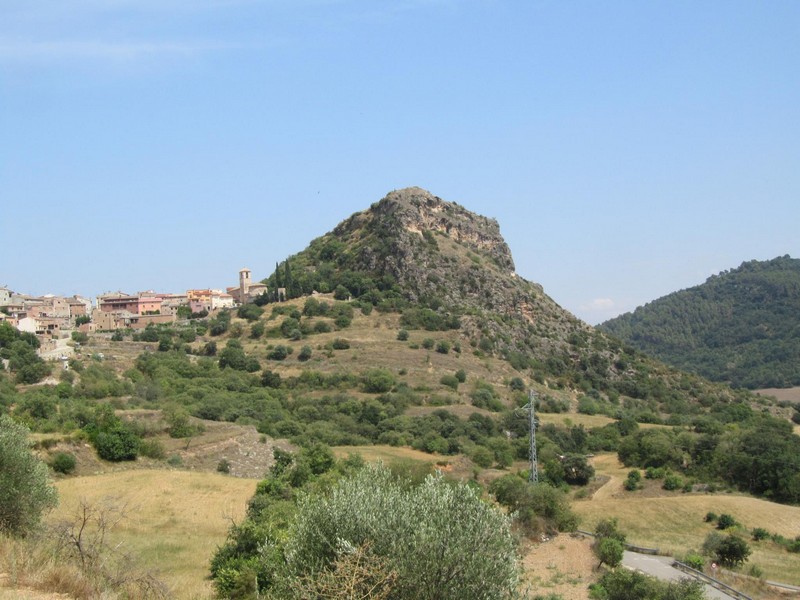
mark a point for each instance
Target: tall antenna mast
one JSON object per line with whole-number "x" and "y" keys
{"x": 534, "y": 475}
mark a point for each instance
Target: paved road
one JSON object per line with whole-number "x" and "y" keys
{"x": 661, "y": 567}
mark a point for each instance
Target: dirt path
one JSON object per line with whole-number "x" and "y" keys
{"x": 611, "y": 469}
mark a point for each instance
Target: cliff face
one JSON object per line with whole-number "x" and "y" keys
{"x": 417, "y": 210}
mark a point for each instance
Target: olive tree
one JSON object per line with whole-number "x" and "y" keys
{"x": 25, "y": 488}
{"x": 438, "y": 539}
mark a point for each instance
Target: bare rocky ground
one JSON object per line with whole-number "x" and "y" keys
{"x": 248, "y": 454}
{"x": 562, "y": 565}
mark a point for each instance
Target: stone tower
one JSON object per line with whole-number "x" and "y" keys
{"x": 244, "y": 285}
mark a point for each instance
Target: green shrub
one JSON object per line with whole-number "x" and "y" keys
{"x": 633, "y": 481}
{"x": 759, "y": 533}
{"x": 609, "y": 528}
{"x": 402, "y": 335}
{"x": 672, "y": 482}
{"x": 152, "y": 449}
{"x": 270, "y": 379}
{"x": 81, "y": 337}
{"x": 251, "y": 312}
{"x": 117, "y": 444}
{"x": 695, "y": 561}
{"x": 305, "y": 353}
{"x": 64, "y": 462}
{"x": 483, "y": 457}
{"x": 725, "y": 521}
{"x": 340, "y": 344}
{"x": 257, "y": 330}
{"x": 428, "y": 343}
{"x": 377, "y": 381}
{"x": 539, "y": 506}
{"x": 279, "y": 352}
{"x": 322, "y": 327}
{"x": 224, "y": 466}
{"x": 461, "y": 375}
{"x": 443, "y": 347}
{"x": 517, "y": 384}
{"x": 450, "y": 381}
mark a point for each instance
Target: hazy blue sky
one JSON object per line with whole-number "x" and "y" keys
{"x": 628, "y": 149}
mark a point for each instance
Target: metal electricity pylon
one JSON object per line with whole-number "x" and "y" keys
{"x": 534, "y": 474}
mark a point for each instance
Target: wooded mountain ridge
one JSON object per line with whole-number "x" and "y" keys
{"x": 740, "y": 327}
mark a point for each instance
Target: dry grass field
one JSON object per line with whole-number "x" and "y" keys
{"x": 387, "y": 454}
{"x": 374, "y": 344}
{"x": 588, "y": 421}
{"x": 673, "y": 521}
{"x": 175, "y": 519}
{"x": 788, "y": 394}
{"x": 563, "y": 565}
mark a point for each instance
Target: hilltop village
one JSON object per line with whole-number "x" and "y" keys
{"x": 54, "y": 319}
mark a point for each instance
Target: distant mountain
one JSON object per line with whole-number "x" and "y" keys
{"x": 444, "y": 267}
{"x": 740, "y": 327}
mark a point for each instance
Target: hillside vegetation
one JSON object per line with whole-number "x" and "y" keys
{"x": 425, "y": 338}
{"x": 405, "y": 330}
{"x": 740, "y": 327}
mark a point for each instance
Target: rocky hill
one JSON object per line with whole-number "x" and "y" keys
{"x": 444, "y": 267}
{"x": 740, "y": 327}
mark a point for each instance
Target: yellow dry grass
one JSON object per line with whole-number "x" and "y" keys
{"x": 563, "y": 565}
{"x": 588, "y": 421}
{"x": 790, "y": 394}
{"x": 386, "y": 454}
{"x": 175, "y": 519}
{"x": 374, "y": 344}
{"x": 674, "y": 523}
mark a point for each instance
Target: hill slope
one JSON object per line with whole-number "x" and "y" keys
{"x": 444, "y": 267}
{"x": 740, "y": 327}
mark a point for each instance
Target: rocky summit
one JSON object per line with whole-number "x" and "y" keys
{"x": 442, "y": 256}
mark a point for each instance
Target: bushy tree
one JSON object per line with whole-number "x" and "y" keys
{"x": 577, "y": 470}
{"x": 251, "y": 312}
{"x": 440, "y": 538}
{"x": 538, "y": 506}
{"x": 117, "y": 443}
{"x": 113, "y": 439}
{"x": 609, "y": 551}
{"x": 25, "y": 489}
{"x": 725, "y": 521}
{"x": 233, "y": 356}
{"x": 633, "y": 481}
{"x": 608, "y": 528}
{"x": 378, "y": 381}
{"x": 622, "y": 584}
{"x": 732, "y": 551}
